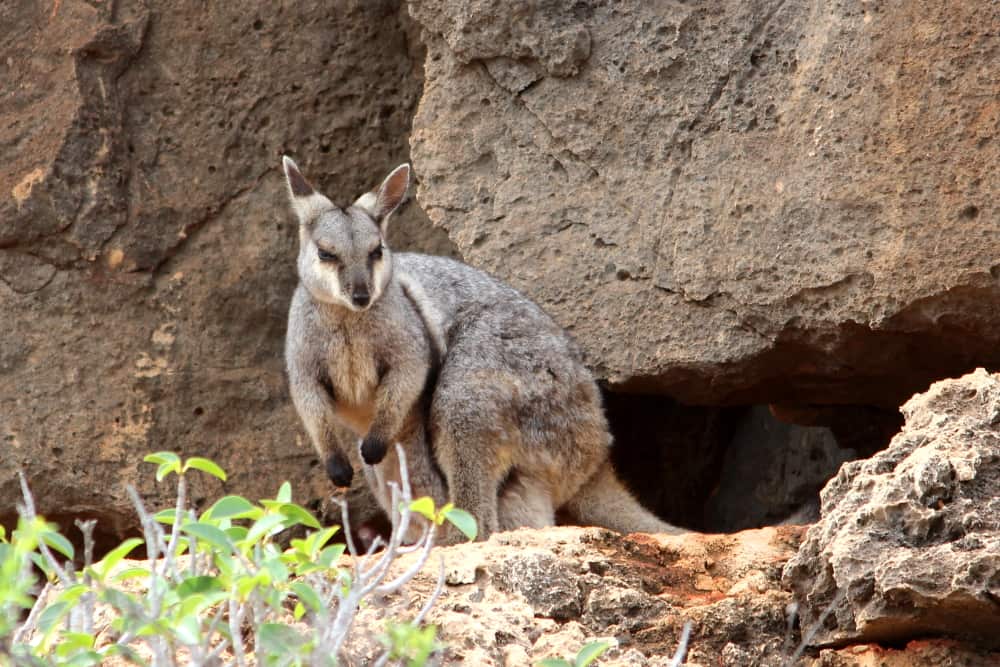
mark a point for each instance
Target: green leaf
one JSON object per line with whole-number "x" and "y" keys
{"x": 268, "y": 525}
{"x": 115, "y": 556}
{"x": 207, "y": 533}
{"x": 237, "y": 533}
{"x": 42, "y": 564}
{"x": 244, "y": 585}
{"x": 58, "y": 542}
{"x": 166, "y": 517}
{"x": 463, "y": 521}
{"x": 188, "y": 630}
{"x": 168, "y": 463}
{"x": 554, "y": 662}
{"x": 199, "y": 584}
{"x": 72, "y": 594}
{"x": 276, "y": 569}
{"x": 322, "y": 537}
{"x": 130, "y": 573}
{"x": 331, "y": 554}
{"x": 424, "y": 507}
{"x": 165, "y": 469}
{"x": 307, "y": 595}
{"x": 126, "y": 652}
{"x": 74, "y": 641}
{"x": 409, "y": 642}
{"x": 194, "y": 605}
{"x": 83, "y": 659}
{"x": 299, "y": 514}
{"x": 277, "y": 639}
{"x": 205, "y": 465}
{"x": 231, "y": 507}
{"x": 162, "y": 457}
{"x": 52, "y": 615}
{"x": 590, "y": 653}
{"x": 120, "y": 600}
{"x": 284, "y": 493}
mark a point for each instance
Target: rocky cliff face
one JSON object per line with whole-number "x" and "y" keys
{"x": 732, "y": 204}
{"x": 766, "y": 201}
{"x": 146, "y": 248}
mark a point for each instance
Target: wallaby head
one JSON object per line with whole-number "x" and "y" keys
{"x": 343, "y": 257}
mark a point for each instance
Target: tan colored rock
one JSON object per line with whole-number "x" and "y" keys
{"x": 909, "y": 541}
{"x": 146, "y": 252}
{"x": 636, "y": 591}
{"x": 938, "y": 652}
{"x": 763, "y": 201}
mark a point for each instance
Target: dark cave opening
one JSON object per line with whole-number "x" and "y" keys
{"x": 722, "y": 469}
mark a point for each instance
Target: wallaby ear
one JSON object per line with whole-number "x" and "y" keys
{"x": 305, "y": 200}
{"x": 389, "y": 195}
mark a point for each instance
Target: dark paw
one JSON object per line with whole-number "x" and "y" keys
{"x": 339, "y": 470}
{"x": 373, "y": 449}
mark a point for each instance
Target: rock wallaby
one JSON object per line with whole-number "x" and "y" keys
{"x": 486, "y": 393}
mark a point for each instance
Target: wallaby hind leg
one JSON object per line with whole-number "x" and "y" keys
{"x": 475, "y": 492}
{"x": 472, "y": 445}
{"x": 525, "y": 502}
{"x": 604, "y": 501}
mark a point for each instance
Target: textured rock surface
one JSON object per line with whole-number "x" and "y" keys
{"x": 765, "y": 201}
{"x": 528, "y": 595}
{"x": 909, "y": 542}
{"x": 146, "y": 250}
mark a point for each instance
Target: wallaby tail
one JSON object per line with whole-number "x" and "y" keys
{"x": 604, "y": 501}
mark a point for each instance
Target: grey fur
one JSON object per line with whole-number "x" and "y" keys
{"x": 485, "y": 391}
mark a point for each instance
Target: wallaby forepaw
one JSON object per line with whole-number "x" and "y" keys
{"x": 339, "y": 470}
{"x": 373, "y": 449}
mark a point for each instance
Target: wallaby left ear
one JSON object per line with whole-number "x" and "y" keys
{"x": 389, "y": 195}
{"x": 306, "y": 202}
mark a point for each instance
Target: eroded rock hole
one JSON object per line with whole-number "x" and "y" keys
{"x": 728, "y": 468}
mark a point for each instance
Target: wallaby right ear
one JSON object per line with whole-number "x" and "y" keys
{"x": 305, "y": 200}
{"x": 380, "y": 203}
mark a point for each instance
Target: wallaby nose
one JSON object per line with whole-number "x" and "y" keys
{"x": 361, "y": 299}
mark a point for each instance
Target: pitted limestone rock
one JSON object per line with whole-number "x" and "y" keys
{"x": 909, "y": 542}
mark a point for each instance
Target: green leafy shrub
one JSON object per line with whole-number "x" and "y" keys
{"x": 218, "y": 588}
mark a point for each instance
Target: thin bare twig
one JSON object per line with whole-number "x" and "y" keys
{"x": 682, "y": 647}
{"x": 88, "y": 599}
{"x": 168, "y": 562}
{"x": 438, "y": 589}
{"x": 236, "y": 613}
{"x": 36, "y": 609}
{"x": 814, "y": 628}
{"x": 29, "y": 513}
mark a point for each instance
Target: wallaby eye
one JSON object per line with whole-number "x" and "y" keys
{"x": 325, "y": 256}
{"x": 376, "y": 254}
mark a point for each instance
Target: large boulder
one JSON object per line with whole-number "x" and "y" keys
{"x": 146, "y": 247}
{"x": 909, "y": 541}
{"x": 764, "y": 201}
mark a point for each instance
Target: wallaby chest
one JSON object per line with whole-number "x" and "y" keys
{"x": 353, "y": 366}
